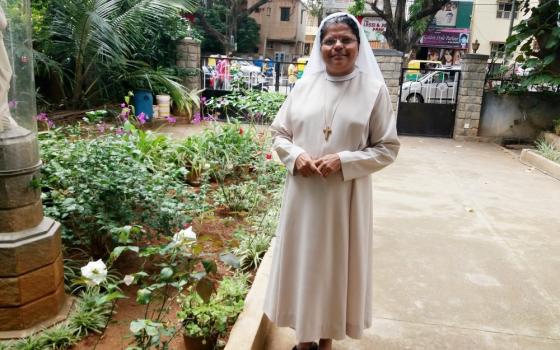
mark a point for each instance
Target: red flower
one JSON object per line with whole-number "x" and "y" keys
{"x": 268, "y": 156}
{"x": 240, "y": 131}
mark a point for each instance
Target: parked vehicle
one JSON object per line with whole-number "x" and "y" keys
{"x": 418, "y": 68}
{"x": 437, "y": 86}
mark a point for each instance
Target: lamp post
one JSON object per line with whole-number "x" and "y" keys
{"x": 475, "y": 46}
{"x": 267, "y": 30}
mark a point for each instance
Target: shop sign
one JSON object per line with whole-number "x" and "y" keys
{"x": 453, "y": 38}
{"x": 374, "y": 27}
{"x": 447, "y": 16}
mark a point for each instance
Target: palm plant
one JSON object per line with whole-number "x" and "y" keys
{"x": 94, "y": 42}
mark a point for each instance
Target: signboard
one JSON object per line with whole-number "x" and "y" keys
{"x": 374, "y": 27}
{"x": 447, "y": 16}
{"x": 452, "y": 38}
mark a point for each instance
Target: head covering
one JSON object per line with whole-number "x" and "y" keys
{"x": 365, "y": 62}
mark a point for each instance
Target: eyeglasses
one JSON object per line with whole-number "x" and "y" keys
{"x": 344, "y": 41}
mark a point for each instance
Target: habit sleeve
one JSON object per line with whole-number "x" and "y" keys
{"x": 282, "y": 138}
{"x": 383, "y": 144}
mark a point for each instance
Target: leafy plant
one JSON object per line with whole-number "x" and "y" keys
{"x": 250, "y": 105}
{"x": 537, "y": 38}
{"x": 98, "y": 42}
{"x": 91, "y": 312}
{"x": 243, "y": 197}
{"x": 94, "y": 186}
{"x": 59, "y": 337}
{"x": 251, "y": 249}
{"x": 205, "y": 319}
{"x": 556, "y": 126}
{"x": 548, "y": 150}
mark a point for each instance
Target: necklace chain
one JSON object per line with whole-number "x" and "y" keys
{"x": 327, "y": 130}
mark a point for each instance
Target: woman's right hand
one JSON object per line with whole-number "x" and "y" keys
{"x": 306, "y": 166}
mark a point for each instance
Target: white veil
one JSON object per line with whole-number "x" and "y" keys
{"x": 365, "y": 62}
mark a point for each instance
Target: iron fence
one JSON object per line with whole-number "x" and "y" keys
{"x": 513, "y": 78}
{"x": 220, "y": 75}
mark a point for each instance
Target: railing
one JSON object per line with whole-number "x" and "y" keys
{"x": 513, "y": 78}
{"x": 223, "y": 74}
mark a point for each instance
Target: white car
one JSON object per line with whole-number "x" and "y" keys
{"x": 438, "y": 86}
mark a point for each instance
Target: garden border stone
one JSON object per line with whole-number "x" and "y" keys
{"x": 545, "y": 165}
{"x": 252, "y": 326}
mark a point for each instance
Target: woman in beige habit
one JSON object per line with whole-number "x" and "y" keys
{"x": 334, "y": 130}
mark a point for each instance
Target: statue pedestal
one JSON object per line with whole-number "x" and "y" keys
{"x": 31, "y": 265}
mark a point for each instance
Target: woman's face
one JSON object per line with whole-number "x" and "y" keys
{"x": 339, "y": 49}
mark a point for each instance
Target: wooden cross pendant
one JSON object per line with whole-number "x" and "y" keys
{"x": 327, "y": 131}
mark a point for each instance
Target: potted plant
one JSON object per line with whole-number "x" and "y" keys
{"x": 204, "y": 321}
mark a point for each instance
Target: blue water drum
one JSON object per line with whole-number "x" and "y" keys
{"x": 143, "y": 101}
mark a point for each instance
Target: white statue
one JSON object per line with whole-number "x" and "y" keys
{"x": 6, "y": 120}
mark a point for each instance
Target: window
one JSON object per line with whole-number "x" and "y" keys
{"x": 504, "y": 10}
{"x": 284, "y": 14}
{"x": 270, "y": 45}
{"x": 496, "y": 49}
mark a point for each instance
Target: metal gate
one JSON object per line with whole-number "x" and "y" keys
{"x": 427, "y": 101}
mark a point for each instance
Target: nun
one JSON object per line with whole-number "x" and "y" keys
{"x": 334, "y": 130}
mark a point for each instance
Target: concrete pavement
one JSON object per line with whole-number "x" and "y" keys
{"x": 466, "y": 253}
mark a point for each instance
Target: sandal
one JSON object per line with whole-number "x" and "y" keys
{"x": 314, "y": 346}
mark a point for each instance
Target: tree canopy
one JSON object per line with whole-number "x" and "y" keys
{"x": 537, "y": 39}
{"x": 402, "y": 33}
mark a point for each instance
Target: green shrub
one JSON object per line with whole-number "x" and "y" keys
{"x": 94, "y": 186}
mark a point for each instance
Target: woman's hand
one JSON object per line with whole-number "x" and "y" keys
{"x": 306, "y": 166}
{"x": 328, "y": 164}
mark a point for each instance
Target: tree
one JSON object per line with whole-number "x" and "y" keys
{"x": 316, "y": 9}
{"x": 402, "y": 33}
{"x": 231, "y": 13}
{"x": 537, "y": 39}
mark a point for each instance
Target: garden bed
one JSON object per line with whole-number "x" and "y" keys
{"x": 174, "y": 226}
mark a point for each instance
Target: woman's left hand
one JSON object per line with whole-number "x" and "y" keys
{"x": 328, "y": 164}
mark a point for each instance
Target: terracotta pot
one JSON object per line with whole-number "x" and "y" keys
{"x": 200, "y": 343}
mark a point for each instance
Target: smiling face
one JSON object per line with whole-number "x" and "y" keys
{"x": 339, "y": 49}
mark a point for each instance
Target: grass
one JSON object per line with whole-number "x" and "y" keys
{"x": 547, "y": 150}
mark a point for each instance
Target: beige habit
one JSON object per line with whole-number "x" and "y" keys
{"x": 320, "y": 284}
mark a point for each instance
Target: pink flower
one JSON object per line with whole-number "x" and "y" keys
{"x": 119, "y": 131}
{"x": 241, "y": 131}
{"x": 101, "y": 127}
{"x": 123, "y": 105}
{"x": 196, "y": 118}
{"x": 41, "y": 117}
{"x": 141, "y": 118}
{"x": 170, "y": 119}
{"x": 268, "y": 156}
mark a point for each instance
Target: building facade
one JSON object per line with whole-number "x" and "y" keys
{"x": 447, "y": 38}
{"x": 490, "y": 25}
{"x": 282, "y": 29}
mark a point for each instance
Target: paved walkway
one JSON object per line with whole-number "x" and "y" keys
{"x": 466, "y": 253}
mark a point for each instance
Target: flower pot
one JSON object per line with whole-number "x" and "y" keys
{"x": 164, "y": 102}
{"x": 192, "y": 343}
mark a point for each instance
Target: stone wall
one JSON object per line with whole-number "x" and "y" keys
{"x": 469, "y": 99}
{"x": 390, "y": 63}
{"x": 517, "y": 117}
{"x": 188, "y": 56}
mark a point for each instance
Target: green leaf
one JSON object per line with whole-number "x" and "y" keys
{"x": 143, "y": 296}
{"x": 166, "y": 273}
{"x": 137, "y": 325}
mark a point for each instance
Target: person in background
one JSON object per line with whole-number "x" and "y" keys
{"x": 292, "y": 73}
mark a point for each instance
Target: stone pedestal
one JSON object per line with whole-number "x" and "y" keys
{"x": 31, "y": 269}
{"x": 390, "y": 62}
{"x": 188, "y": 56}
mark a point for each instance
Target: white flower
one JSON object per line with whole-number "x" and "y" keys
{"x": 128, "y": 279}
{"x": 94, "y": 272}
{"x": 184, "y": 235}
{"x": 206, "y": 166}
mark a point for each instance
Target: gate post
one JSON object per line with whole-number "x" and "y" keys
{"x": 390, "y": 63}
{"x": 188, "y": 56}
{"x": 469, "y": 99}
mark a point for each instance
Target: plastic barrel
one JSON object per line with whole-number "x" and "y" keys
{"x": 143, "y": 102}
